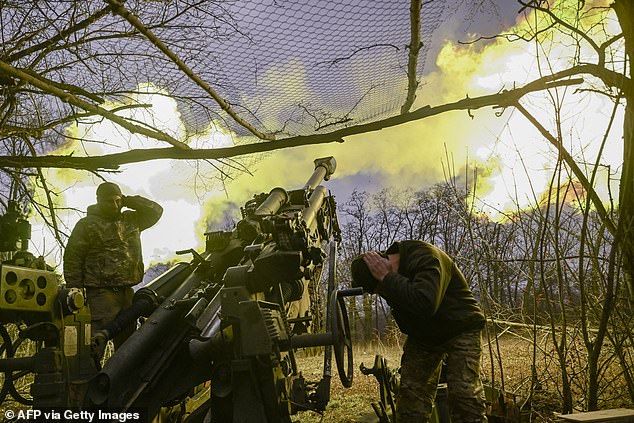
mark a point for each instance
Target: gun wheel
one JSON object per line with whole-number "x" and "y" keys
{"x": 342, "y": 339}
{"x": 19, "y": 382}
{"x": 6, "y": 351}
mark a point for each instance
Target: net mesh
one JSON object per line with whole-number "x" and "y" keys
{"x": 286, "y": 67}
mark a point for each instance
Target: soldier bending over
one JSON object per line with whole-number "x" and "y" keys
{"x": 432, "y": 303}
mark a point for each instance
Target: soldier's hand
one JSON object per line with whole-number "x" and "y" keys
{"x": 134, "y": 202}
{"x": 379, "y": 266}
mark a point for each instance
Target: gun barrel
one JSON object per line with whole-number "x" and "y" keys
{"x": 314, "y": 204}
{"x": 324, "y": 168}
{"x": 111, "y": 385}
{"x": 166, "y": 283}
{"x": 149, "y": 297}
{"x": 276, "y": 199}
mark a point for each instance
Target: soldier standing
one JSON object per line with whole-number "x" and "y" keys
{"x": 103, "y": 254}
{"x": 433, "y": 304}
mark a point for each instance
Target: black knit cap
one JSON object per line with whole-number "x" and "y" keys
{"x": 108, "y": 189}
{"x": 361, "y": 275}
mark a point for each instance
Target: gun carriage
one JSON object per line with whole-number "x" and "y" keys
{"x": 219, "y": 334}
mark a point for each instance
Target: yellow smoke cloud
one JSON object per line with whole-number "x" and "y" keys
{"x": 513, "y": 158}
{"x": 527, "y": 159}
{"x": 176, "y": 185}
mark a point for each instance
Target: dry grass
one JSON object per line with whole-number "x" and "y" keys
{"x": 353, "y": 404}
{"x": 505, "y": 363}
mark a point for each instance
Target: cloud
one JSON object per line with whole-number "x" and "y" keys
{"x": 178, "y": 186}
{"x": 512, "y": 158}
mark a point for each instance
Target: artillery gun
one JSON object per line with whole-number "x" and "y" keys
{"x": 220, "y": 334}
{"x": 52, "y": 320}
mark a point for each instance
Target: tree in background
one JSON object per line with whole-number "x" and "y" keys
{"x": 550, "y": 269}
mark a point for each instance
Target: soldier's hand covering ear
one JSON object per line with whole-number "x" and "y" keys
{"x": 362, "y": 277}
{"x": 378, "y": 264}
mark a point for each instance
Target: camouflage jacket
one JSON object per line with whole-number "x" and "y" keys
{"x": 106, "y": 251}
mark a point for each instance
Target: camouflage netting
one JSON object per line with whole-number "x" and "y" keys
{"x": 286, "y": 67}
{"x": 304, "y": 68}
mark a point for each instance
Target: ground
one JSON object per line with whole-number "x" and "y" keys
{"x": 506, "y": 363}
{"x": 353, "y": 404}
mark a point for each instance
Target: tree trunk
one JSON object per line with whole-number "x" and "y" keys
{"x": 625, "y": 13}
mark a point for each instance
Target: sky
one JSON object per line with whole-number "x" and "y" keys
{"x": 513, "y": 160}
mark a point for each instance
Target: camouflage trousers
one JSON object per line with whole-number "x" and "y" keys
{"x": 420, "y": 372}
{"x": 105, "y": 304}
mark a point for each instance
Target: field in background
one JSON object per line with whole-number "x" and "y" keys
{"x": 505, "y": 364}
{"x": 511, "y": 355}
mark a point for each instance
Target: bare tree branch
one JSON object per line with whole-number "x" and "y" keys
{"x": 49, "y": 200}
{"x": 357, "y": 51}
{"x": 573, "y": 29}
{"x": 135, "y": 22}
{"x": 414, "y": 48}
{"x": 59, "y": 36}
{"x": 113, "y": 161}
{"x": 570, "y": 161}
{"x": 75, "y": 101}
{"x": 74, "y": 89}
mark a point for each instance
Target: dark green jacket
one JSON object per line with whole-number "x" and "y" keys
{"x": 429, "y": 296}
{"x": 106, "y": 251}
